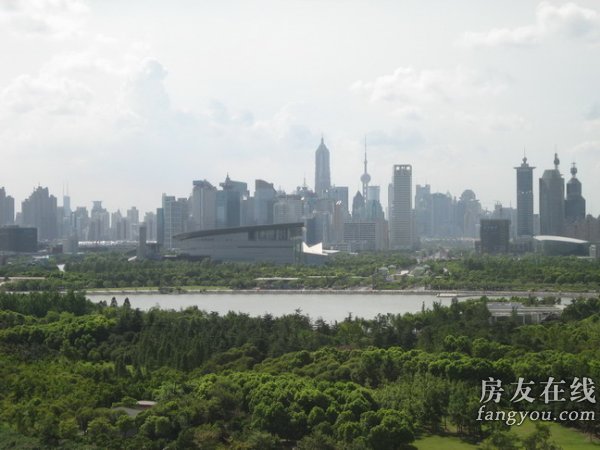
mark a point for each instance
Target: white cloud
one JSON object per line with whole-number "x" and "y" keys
{"x": 144, "y": 92}
{"x": 594, "y": 112}
{"x": 409, "y": 86}
{"x": 569, "y": 20}
{"x": 43, "y": 18}
{"x": 47, "y": 95}
{"x": 492, "y": 123}
{"x": 587, "y": 148}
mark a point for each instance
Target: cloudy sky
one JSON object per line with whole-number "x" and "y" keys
{"x": 123, "y": 101}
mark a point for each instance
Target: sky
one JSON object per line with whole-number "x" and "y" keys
{"x": 123, "y": 101}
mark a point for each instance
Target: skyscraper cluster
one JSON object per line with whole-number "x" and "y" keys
{"x": 329, "y": 215}
{"x": 556, "y": 211}
{"x": 324, "y": 210}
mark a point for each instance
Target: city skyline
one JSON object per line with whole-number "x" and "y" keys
{"x": 189, "y": 194}
{"x": 125, "y": 114}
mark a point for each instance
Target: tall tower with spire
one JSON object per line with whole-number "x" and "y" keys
{"x": 322, "y": 172}
{"x": 574, "y": 203}
{"x": 552, "y": 201}
{"x": 524, "y": 199}
{"x": 365, "y": 177}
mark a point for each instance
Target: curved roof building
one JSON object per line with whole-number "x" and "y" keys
{"x": 279, "y": 243}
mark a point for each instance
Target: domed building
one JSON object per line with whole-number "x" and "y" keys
{"x": 574, "y": 203}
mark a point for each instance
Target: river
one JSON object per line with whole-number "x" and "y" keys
{"x": 328, "y": 306}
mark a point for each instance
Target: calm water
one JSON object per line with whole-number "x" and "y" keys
{"x": 329, "y": 307}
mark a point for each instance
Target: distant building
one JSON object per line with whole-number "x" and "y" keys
{"x": 142, "y": 249}
{"x": 278, "y": 243}
{"x": 150, "y": 222}
{"x": 467, "y": 214}
{"x": 423, "y": 211}
{"x": 70, "y": 245}
{"x": 81, "y": 222}
{"x": 7, "y": 208}
{"x": 18, "y": 239}
{"x": 442, "y": 217}
{"x": 358, "y": 206}
{"x": 118, "y": 227}
{"x": 365, "y": 236}
{"x": 339, "y": 194}
{"x": 40, "y": 211}
{"x": 175, "y": 213}
{"x": 526, "y": 314}
{"x": 587, "y": 229}
{"x": 524, "y": 199}
{"x": 204, "y": 205}
{"x": 561, "y": 246}
{"x": 400, "y": 208}
{"x": 574, "y": 203}
{"x": 322, "y": 170}
{"x": 494, "y": 235}
{"x": 501, "y": 212}
{"x": 133, "y": 223}
{"x": 264, "y": 199}
{"x": 365, "y": 178}
{"x": 229, "y": 203}
{"x": 288, "y": 209}
{"x": 99, "y": 226}
{"x": 552, "y": 201}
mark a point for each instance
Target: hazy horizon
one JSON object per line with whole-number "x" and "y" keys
{"x": 125, "y": 101}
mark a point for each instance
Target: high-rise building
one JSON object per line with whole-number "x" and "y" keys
{"x": 494, "y": 235}
{"x": 65, "y": 218}
{"x": 365, "y": 177}
{"x": 524, "y": 199}
{"x": 142, "y": 250}
{"x": 99, "y": 227}
{"x": 119, "y": 227}
{"x": 175, "y": 213}
{"x": 322, "y": 171}
{"x": 7, "y": 208}
{"x": 510, "y": 214}
{"x": 442, "y": 215}
{"x": 288, "y": 209}
{"x": 339, "y": 194}
{"x": 574, "y": 203}
{"x": 358, "y": 207}
{"x": 552, "y": 201}
{"x": 423, "y": 211}
{"x": 467, "y": 214}
{"x": 18, "y": 239}
{"x": 150, "y": 223}
{"x": 133, "y": 223}
{"x": 229, "y": 203}
{"x": 400, "y": 207}
{"x": 264, "y": 199}
{"x": 374, "y": 193}
{"x": 40, "y": 211}
{"x": 204, "y": 205}
{"x": 81, "y": 222}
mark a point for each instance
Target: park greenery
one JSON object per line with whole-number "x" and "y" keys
{"x": 72, "y": 371}
{"x": 385, "y": 271}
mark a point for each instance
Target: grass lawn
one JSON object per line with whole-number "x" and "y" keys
{"x": 567, "y": 438}
{"x": 442, "y": 442}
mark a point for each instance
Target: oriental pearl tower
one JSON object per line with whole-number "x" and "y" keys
{"x": 365, "y": 177}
